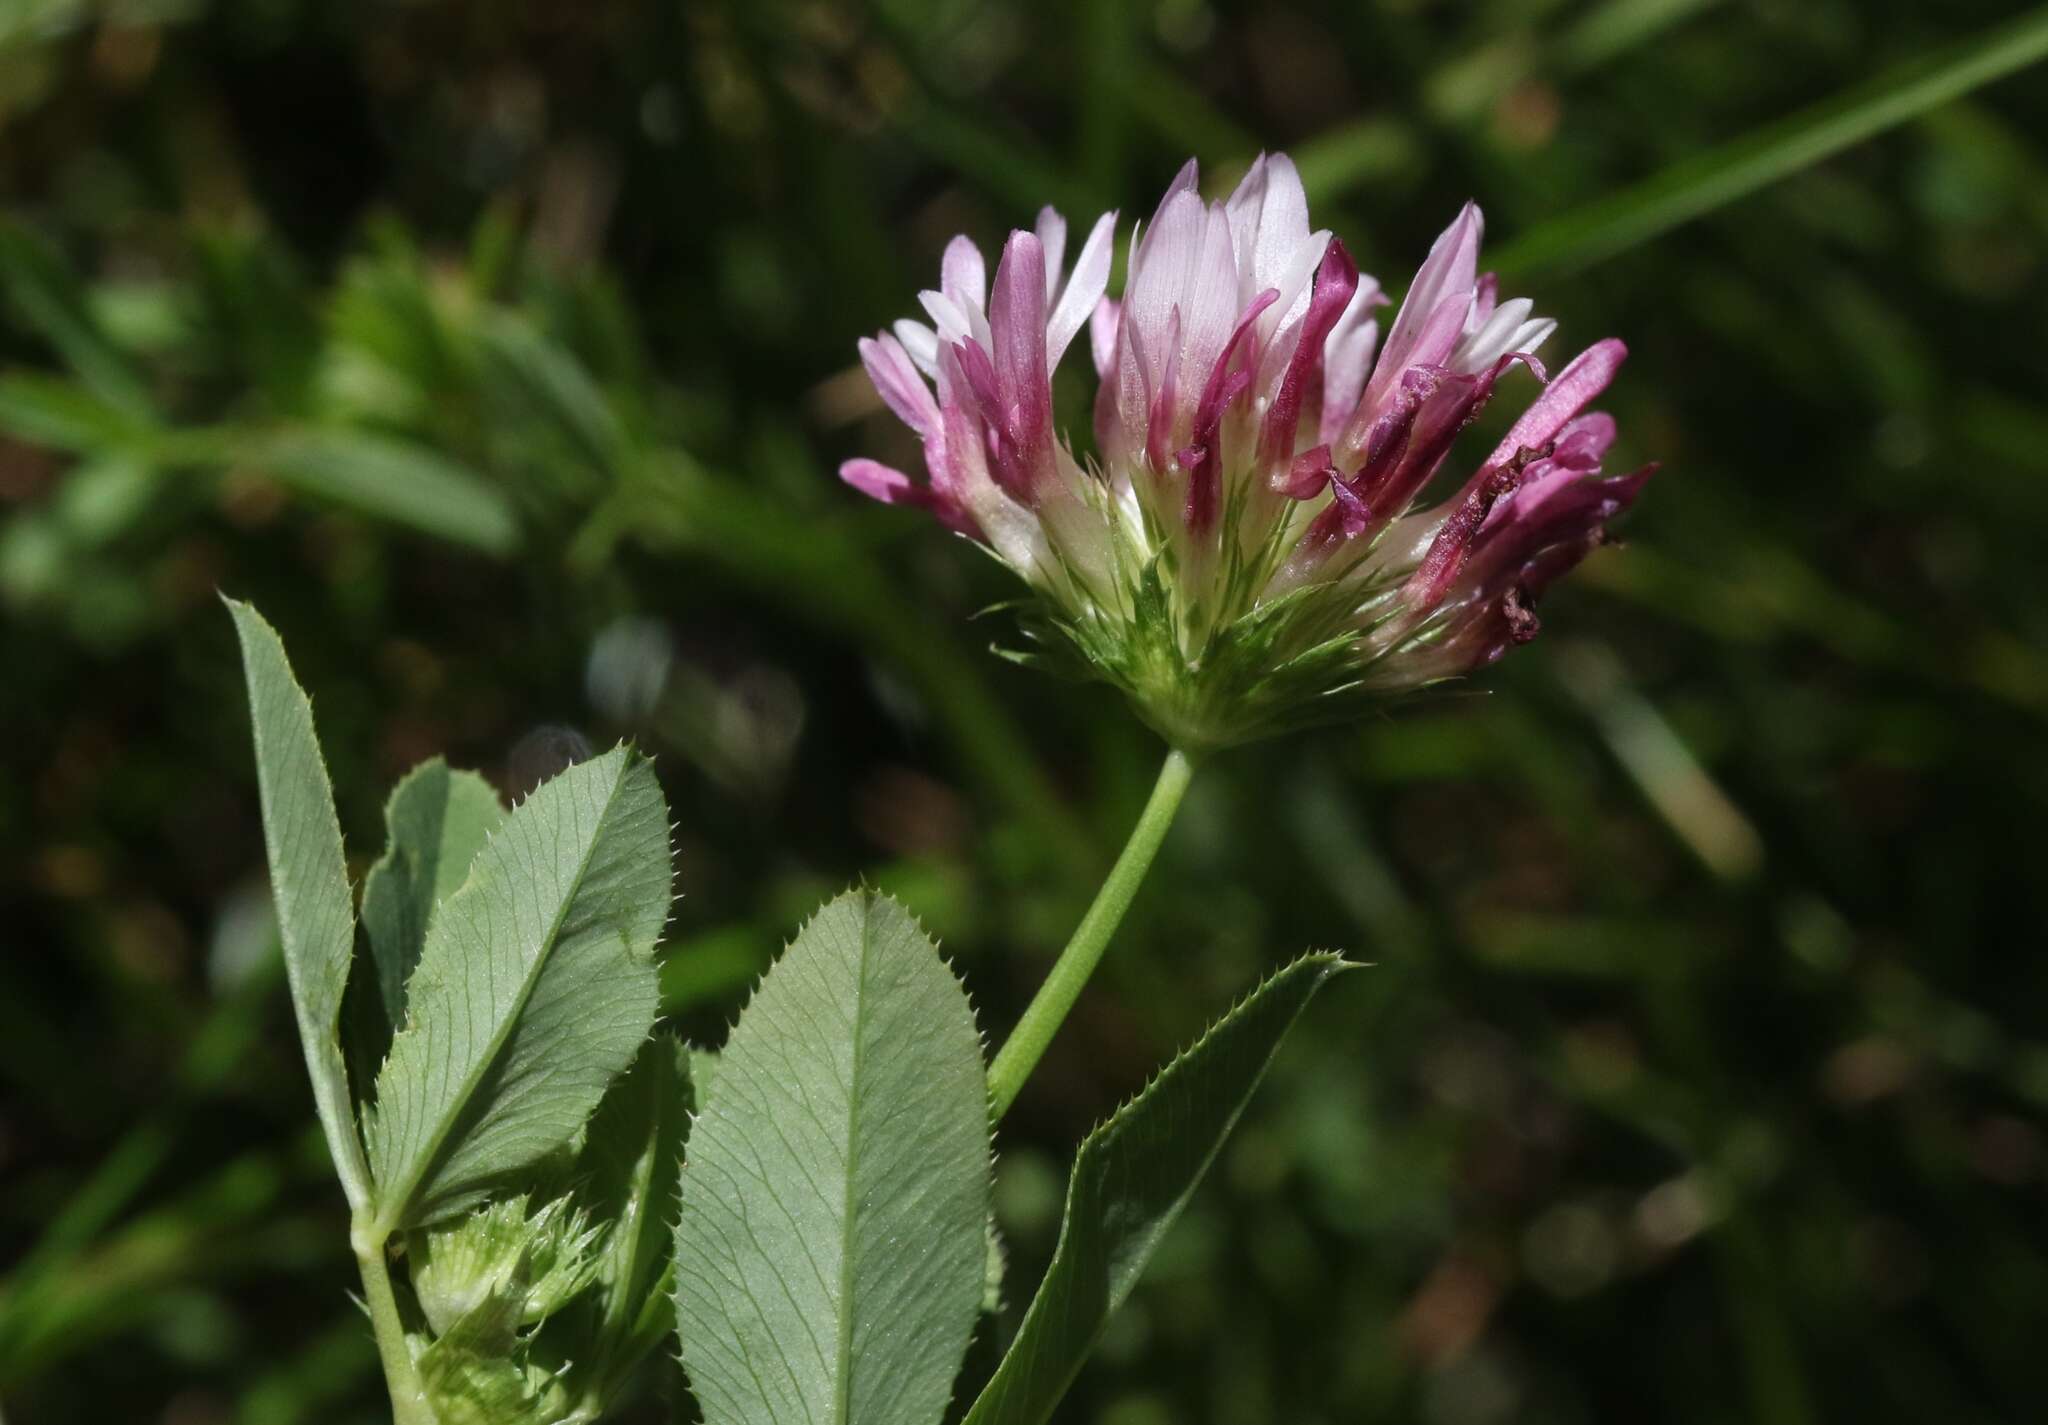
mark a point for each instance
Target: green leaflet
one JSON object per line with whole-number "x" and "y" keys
{"x": 629, "y": 1164}
{"x": 309, "y": 877}
{"x": 535, "y": 987}
{"x": 436, "y": 822}
{"x": 830, "y": 1256}
{"x": 1130, "y": 1180}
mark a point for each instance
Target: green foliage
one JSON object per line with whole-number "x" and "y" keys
{"x": 435, "y": 823}
{"x": 48, "y": 296}
{"x": 535, "y": 987}
{"x": 315, "y": 919}
{"x": 1130, "y": 1180}
{"x": 1738, "y": 168}
{"x": 399, "y": 482}
{"x": 830, "y": 1257}
{"x": 632, "y": 1155}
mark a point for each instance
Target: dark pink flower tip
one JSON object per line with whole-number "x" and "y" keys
{"x": 1336, "y": 280}
{"x": 1582, "y": 379}
{"x": 1445, "y": 558}
{"x": 1306, "y": 475}
{"x": 1016, "y": 321}
{"x": 1227, "y": 381}
{"x": 892, "y": 487}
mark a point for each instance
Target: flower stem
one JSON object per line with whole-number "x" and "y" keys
{"x": 408, "y": 1396}
{"x": 1048, "y": 1008}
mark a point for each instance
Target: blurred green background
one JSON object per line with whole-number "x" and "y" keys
{"x": 502, "y": 354}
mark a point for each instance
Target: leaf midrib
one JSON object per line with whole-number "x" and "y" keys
{"x": 389, "y": 1219}
{"x": 842, "y": 1396}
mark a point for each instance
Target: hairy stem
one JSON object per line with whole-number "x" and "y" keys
{"x": 1048, "y": 1008}
{"x": 408, "y": 1396}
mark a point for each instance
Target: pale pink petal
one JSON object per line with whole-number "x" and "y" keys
{"x": 1508, "y": 330}
{"x": 949, "y": 318}
{"x": 921, "y": 342}
{"x": 1051, "y": 230}
{"x": 1428, "y": 349}
{"x": 1084, "y": 289}
{"x": 1209, "y": 411}
{"x": 1347, "y": 359}
{"x": 898, "y": 383}
{"x": 1268, "y": 217}
{"x": 1165, "y": 391}
{"x": 1448, "y": 277}
{"x": 1227, "y": 381}
{"x": 1209, "y": 303}
{"x": 1434, "y": 342}
{"x": 1292, "y": 283}
{"x": 963, "y": 274}
{"x": 1102, "y": 324}
{"x": 1159, "y": 274}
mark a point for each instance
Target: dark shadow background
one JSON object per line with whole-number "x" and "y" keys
{"x": 502, "y": 355}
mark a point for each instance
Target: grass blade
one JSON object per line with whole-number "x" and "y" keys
{"x": 1736, "y": 169}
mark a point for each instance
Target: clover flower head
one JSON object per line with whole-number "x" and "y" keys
{"x": 1247, "y": 549}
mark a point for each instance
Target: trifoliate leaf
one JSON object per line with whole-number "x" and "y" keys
{"x": 535, "y": 988}
{"x": 309, "y": 877}
{"x": 1130, "y": 1180}
{"x": 830, "y": 1257}
{"x": 436, "y": 822}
